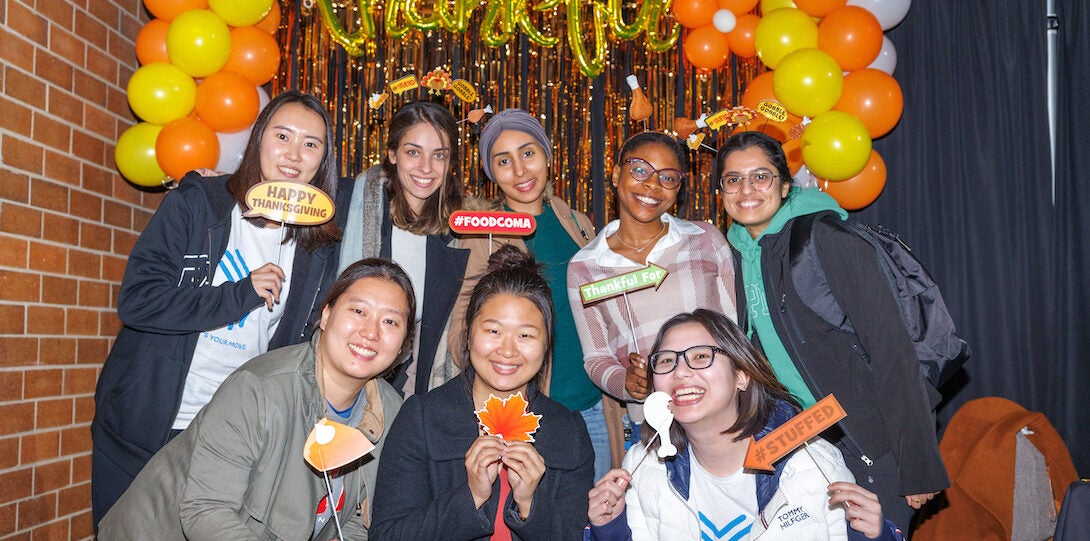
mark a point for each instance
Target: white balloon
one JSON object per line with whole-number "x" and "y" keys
{"x": 888, "y": 12}
{"x": 724, "y": 20}
{"x": 233, "y": 145}
{"x": 887, "y": 57}
{"x": 804, "y": 178}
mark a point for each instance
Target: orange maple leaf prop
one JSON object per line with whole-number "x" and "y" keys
{"x": 508, "y": 418}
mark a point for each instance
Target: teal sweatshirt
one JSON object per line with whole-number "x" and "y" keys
{"x": 799, "y": 202}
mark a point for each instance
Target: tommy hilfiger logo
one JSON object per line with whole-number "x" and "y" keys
{"x": 792, "y": 517}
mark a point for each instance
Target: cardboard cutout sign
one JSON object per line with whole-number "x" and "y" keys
{"x": 718, "y": 119}
{"x": 492, "y": 223}
{"x": 508, "y": 418}
{"x": 331, "y": 445}
{"x": 404, "y": 84}
{"x": 772, "y": 110}
{"x": 650, "y": 276}
{"x": 464, "y": 90}
{"x": 289, "y": 202}
{"x": 798, "y": 430}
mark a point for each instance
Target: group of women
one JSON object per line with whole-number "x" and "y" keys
{"x": 241, "y": 333}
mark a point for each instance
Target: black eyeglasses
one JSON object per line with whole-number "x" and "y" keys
{"x": 697, "y": 357}
{"x": 760, "y": 180}
{"x": 641, "y": 170}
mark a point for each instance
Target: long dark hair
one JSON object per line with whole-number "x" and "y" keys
{"x": 374, "y": 267}
{"x": 756, "y": 403}
{"x": 309, "y": 237}
{"x": 513, "y": 272}
{"x": 445, "y": 200}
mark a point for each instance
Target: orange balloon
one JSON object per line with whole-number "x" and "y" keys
{"x": 695, "y": 13}
{"x": 184, "y": 145}
{"x": 874, "y": 97}
{"x": 271, "y": 22}
{"x": 706, "y": 47}
{"x": 792, "y": 148}
{"x": 852, "y": 36}
{"x": 167, "y": 10}
{"x": 254, "y": 54}
{"x": 151, "y": 42}
{"x": 740, "y": 39}
{"x": 227, "y": 101}
{"x": 819, "y": 8}
{"x": 861, "y": 190}
{"x": 759, "y": 89}
{"x": 738, "y": 7}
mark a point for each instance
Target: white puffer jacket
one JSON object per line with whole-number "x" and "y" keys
{"x": 798, "y": 511}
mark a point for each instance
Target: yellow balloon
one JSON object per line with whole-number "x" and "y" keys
{"x": 160, "y": 92}
{"x": 768, "y": 6}
{"x": 783, "y": 32}
{"x": 808, "y": 82}
{"x": 589, "y": 64}
{"x": 135, "y": 155}
{"x": 836, "y": 145}
{"x": 198, "y": 42}
{"x": 241, "y": 12}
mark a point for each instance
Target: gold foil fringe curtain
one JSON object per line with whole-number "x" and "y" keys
{"x": 547, "y": 82}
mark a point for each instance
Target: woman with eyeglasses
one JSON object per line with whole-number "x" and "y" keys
{"x": 722, "y": 393}
{"x": 616, "y": 333}
{"x": 888, "y": 438}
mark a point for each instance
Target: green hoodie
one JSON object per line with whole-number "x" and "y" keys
{"x": 799, "y": 202}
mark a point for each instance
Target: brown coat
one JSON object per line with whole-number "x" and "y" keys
{"x": 581, "y": 230}
{"x": 978, "y": 449}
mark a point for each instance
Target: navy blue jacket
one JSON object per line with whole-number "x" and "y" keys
{"x": 166, "y": 301}
{"x": 422, "y": 491}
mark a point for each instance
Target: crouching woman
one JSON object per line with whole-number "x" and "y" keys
{"x": 722, "y": 392}
{"x": 238, "y": 472}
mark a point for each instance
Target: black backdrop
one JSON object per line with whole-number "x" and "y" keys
{"x": 970, "y": 188}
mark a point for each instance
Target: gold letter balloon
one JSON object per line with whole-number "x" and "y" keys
{"x": 597, "y": 20}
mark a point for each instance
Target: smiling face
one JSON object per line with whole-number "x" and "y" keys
{"x": 752, "y": 208}
{"x": 293, "y": 144}
{"x": 520, "y": 168}
{"x": 705, "y": 399}
{"x": 422, "y": 159}
{"x": 645, "y": 201}
{"x": 363, "y": 331}
{"x": 507, "y": 343}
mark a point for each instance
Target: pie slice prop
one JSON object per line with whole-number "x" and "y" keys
{"x": 331, "y": 445}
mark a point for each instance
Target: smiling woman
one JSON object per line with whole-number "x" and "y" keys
{"x": 722, "y": 393}
{"x": 400, "y": 210}
{"x": 443, "y": 477}
{"x": 208, "y": 288}
{"x": 238, "y": 472}
{"x": 617, "y": 332}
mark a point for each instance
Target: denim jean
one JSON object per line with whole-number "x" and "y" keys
{"x": 595, "y": 419}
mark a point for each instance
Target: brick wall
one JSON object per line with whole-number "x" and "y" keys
{"x": 67, "y": 223}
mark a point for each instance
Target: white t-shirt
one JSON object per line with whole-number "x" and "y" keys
{"x": 726, "y": 506}
{"x": 220, "y": 351}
